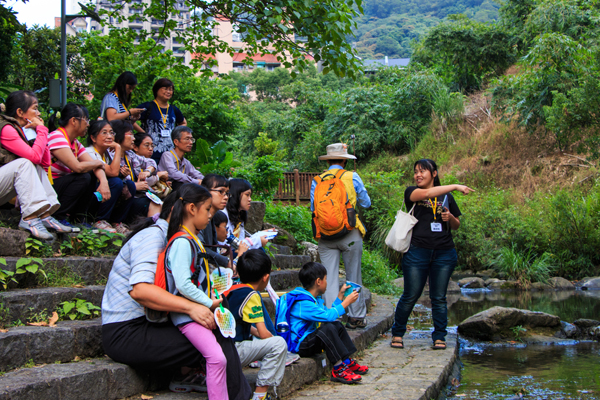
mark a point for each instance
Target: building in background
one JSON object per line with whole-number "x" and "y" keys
{"x": 75, "y": 26}
{"x": 227, "y": 32}
{"x": 155, "y": 25}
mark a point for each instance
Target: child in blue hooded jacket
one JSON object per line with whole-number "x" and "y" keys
{"x": 316, "y": 328}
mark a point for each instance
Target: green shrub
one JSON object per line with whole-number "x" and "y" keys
{"x": 524, "y": 266}
{"x": 294, "y": 219}
{"x": 378, "y": 274}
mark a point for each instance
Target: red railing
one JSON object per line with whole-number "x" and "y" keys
{"x": 295, "y": 186}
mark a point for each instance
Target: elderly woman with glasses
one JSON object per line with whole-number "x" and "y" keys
{"x": 143, "y": 146}
{"x": 180, "y": 169}
{"x": 103, "y": 147}
{"x": 136, "y": 178}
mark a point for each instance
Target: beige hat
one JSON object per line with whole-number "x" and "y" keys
{"x": 337, "y": 151}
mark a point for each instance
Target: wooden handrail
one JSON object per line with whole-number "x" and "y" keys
{"x": 295, "y": 186}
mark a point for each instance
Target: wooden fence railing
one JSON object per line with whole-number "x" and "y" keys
{"x": 295, "y": 186}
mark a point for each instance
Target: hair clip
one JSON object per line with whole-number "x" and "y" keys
{"x": 58, "y": 114}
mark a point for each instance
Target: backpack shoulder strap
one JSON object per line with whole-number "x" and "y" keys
{"x": 339, "y": 175}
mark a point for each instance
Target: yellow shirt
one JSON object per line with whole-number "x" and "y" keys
{"x": 253, "y": 311}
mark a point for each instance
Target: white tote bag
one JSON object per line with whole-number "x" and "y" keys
{"x": 399, "y": 236}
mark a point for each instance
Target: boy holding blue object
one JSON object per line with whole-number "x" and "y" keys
{"x": 314, "y": 327}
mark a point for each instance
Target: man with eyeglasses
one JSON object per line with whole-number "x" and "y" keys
{"x": 180, "y": 170}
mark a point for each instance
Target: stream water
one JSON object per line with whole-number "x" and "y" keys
{"x": 514, "y": 371}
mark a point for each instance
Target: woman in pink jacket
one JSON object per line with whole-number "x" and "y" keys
{"x": 23, "y": 155}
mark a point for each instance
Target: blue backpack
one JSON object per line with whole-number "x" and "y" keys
{"x": 283, "y": 323}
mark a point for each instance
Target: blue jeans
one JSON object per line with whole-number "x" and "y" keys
{"x": 418, "y": 264}
{"x": 114, "y": 210}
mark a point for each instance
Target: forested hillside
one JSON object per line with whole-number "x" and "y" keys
{"x": 388, "y": 26}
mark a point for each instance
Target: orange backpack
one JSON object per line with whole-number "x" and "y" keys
{"x": 160, "y": 277}
{"x": 334, "y": 215}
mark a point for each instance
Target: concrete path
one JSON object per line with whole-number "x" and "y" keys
{"x": 416, "y": 372}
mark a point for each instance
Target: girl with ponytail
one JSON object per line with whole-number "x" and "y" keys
{"x": 116, "y": 103}
{"x": 191, "y": 213}
{"x": 431, "y": 254}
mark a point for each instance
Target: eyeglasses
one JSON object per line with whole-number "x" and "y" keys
{"x": 149, "y": 145}
{"x": 188, "y": 139}
{"x": 222, "y": 192}
{"x": 129, "y": 134}
{"x": 107, "y": 133}
{"x": 86, "y": 120}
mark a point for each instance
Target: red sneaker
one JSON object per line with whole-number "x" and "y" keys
{"x": 344, "y": 375}
{"x": 357, "y": 369}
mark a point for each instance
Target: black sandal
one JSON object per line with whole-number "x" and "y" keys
{"x": 397, "y": 342}
{"x": 439, "y": 345}
{"x": 354, "y": 323}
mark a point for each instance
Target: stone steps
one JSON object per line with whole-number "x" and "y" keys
{"x": 23, "y": 303}
{"x": 289, "y": 262}
{"x": 69, "y": 339}
{"x": 308, "y": 370}
{"x": 101, "y": 378}
{"x": 96, "y": 379}
{"x": 280, "y": 249}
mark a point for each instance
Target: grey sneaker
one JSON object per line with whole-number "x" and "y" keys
{"x": 195, "y": 381}
{"x": 36, "y": 227}
{"x": 51, "y": 223}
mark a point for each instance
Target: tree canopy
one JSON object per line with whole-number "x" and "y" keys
{"x": 267, "y": 27}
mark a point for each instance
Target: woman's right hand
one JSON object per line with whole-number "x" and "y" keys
{"x": 464, "y": 189}
{"x": 98, "y": 164}
{"x": 124, "y": 170}
{"x": 34, "y": 122}
{"x": 141, "y": 186}
{"x": 203, "y": 316}
{"x": 162, "y": 175}
{"x": 136, "y": 112}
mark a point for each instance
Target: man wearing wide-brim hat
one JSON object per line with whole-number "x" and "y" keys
{"x": 348, "y": 242}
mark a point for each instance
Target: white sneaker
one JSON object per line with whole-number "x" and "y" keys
{"x": 104, "y": 226}
{"x": 52, "y": 223}
{"x": 36, "y": 227}
{"x": 291, "y": 358}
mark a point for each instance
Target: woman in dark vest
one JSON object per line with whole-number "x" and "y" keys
{"x": 22, "y": 162}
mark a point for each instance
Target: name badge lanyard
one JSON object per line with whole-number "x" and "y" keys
{"x": 435, "y": 226}
{"x": 199, "y": 243}
{"x": 101, "y": 155}
{"x": 130, "y": 169}
{"x": 64, "y": 132}
{"x": 177, "y": 161}
{"x": 164, "y": 117}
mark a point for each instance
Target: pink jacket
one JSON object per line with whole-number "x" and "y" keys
{"x": 37, "y": 154}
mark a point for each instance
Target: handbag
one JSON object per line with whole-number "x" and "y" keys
{"x": 161, "y": 189}
{"x": 399, "y": 236}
